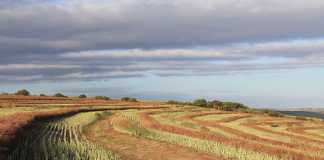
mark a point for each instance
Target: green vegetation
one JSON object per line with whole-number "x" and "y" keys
{"x": 61, "y": 139}
{"x": 301, "y": 118}
{"x": 200, "y": 103}
{"x": 59, "y": 95}
{"x": 225, "y": 106}
{"x": 82, "y": 96}
{"x": 225, "y": 130}
{"x": 271, "y": 113}
{"x": 102, "y": 98}
{"x": 135, "y": 128}
{"x": 23, "y": 92}
{"x": 129, "y": 99}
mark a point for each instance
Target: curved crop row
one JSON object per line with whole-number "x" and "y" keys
{"x": 61, "y": 139}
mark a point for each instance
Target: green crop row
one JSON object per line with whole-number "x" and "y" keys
{"x": 61, "y": 140}
{"x": 220, "y": 149}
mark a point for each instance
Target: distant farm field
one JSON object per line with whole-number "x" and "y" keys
{"x": 157, "y": 131}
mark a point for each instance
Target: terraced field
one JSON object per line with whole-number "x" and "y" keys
{"x": 61, "y": 138}
{"x": 215, "y": 134}
{"x": 171, "y": 133}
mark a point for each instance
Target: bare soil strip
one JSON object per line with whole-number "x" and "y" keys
{"x": 134, "y": 148}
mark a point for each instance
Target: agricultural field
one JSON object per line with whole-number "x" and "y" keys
{"x": 157, "y": 131}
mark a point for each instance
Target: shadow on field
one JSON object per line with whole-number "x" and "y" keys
{"x": 32, "y": 128}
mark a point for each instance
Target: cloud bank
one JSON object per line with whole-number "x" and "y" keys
{"x": 58, "y": 40}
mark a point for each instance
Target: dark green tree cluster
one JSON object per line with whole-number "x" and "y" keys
{"x": 178, "y": 102}
{"x": 129, "y": 99}
{"x": 59, "y": 95}
{"x": 82, "y": 96}
{"x": 200, "y": 103}
{"x": 270, "y": 112}
{"x": 23, "y": 92}
{"x": 225, "y": 106}
{"x": 102, "y": 98}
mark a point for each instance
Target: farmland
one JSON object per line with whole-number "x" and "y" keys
{"x": 68, "y": 128}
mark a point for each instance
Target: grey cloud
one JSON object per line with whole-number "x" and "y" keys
{"x": 103, "y": 39}
{"x": 149, "y": 24}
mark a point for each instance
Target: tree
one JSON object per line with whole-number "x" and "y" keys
{"x": 82, "y": 96}
{"x": 125, "y": 99}
{"x": 214, "y": 104}
{"x": 200, "y": 103}
{"x": 231, "y": 106}
{"x": 23, "y": 92}
{"x": 59, "y": 95}
{"x": 132, "y": 100}
{"x": 128, "y": 99}
{"x": 102, "y": 98}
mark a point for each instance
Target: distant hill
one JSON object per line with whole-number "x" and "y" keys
{"x": 307, "y": 112}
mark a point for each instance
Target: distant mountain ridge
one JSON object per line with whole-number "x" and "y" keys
{"x": 307, "y": 112}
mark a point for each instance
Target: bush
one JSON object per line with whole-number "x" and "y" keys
{"x": 59, "y": 95}
{"x": 271, "y": 113}
{"x": 82, "y": 96}
{"x": 200, "y": 103}
{"x": 102, "y": 98}
{"x": 274, "y": 125}
{"x": 178, "y": 102}
{"x": 42, "y": 95}
{"x": 275, "y": 114}
{"x": 301, "y": 118}
{"x": 125, "y": 99}
{"x": 129, "y": 99}
{"x": 231, "y": 106}
{"x": 214, "y": 104}
{"x": 23, "y": 92}
{"x": 173, "y": 102}
{"x": 132, "y": 100}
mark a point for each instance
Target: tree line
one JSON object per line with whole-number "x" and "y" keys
{"x": 25, "y": 92}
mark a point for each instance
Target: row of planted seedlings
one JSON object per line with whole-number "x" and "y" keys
{"x": 234, "y": 124}
{"x": 61, "y": 139}
{"x": 129, "y": 122}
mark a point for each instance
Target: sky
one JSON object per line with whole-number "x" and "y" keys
{"x": 267, "y": 53}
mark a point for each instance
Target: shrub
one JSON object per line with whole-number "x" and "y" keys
{"x": 102, "y": 98}
{"x": 173, "y": 102}
{"x": 274, "y": 125}
{"x": 178, "y": 102}
{"x": 132, "y": 100}
{"x": 128, "y": 99}
{"x": 275, "y": 114}
{"x": 42, "y": 95}
{"x": 301, "y": 118}
{"x": 23, "y": 92}
{"x": 125, "y": 99}
{"x": 231, "y": 106}
{"x": 214, "y": 104}
{"x": 200, "y": 103}
{"x": 82, "y": 96}
{"x": 271, "y": 113}
{"x": 59, "y": 95}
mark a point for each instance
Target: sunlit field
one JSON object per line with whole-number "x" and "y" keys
{"x": 147, "y": 130}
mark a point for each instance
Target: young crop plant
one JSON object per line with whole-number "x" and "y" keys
{"x": 128, "y": 122}
{"x": 61, "y": 139}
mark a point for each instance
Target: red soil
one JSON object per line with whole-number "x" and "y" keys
{"x": 133, "y": 148}
{"x": 258, "y": 146}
